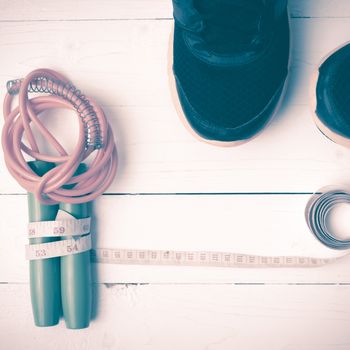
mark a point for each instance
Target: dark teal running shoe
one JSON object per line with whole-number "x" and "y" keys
{"x": 230, "y": 63}
{"x": 330, "y": 96}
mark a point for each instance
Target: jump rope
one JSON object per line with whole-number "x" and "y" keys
{"x": 60, "y": 187}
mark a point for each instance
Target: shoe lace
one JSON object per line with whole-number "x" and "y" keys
{"x": 231, "y": 23}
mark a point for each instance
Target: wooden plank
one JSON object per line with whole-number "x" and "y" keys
{"x": 265, "y": 225}
{"x": 86, "y": 10}
{"x": 156, "y": 152}
{"x": 140, "y": 9}
{"x": 190, "y": 317}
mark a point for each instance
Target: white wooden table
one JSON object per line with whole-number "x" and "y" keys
{"x": 173, "y": 192}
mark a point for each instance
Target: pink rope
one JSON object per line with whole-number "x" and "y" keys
{"x": 48, "y": 188}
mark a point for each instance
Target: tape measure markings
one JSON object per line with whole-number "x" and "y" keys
{"x": 59, "y": 228}
{"x": 58, "y": 248}
{"x": 167, "y": 257}
{"x": 201, "y": 258}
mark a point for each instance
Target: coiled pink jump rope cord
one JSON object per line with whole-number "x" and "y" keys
{"x": 48, "y": 188}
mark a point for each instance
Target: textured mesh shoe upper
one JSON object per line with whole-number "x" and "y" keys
{"x": 333, "y": 86}
{"x": 231, "y": 72}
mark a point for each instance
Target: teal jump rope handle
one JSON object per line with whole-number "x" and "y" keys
{"x": 45, "y": 273}
{"x": 76, "y": 275}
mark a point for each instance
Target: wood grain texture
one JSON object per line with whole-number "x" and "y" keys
{"x": 24, "y": 10}
{"x": 190, "y": 317}
{"x": 156, "y": 152}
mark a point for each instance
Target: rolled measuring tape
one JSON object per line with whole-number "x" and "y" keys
{"x": 317, "y": 214}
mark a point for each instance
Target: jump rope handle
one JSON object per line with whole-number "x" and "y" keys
{"x": 76, "y": 274}
{"x": 63, "y": 283}
{"x": 45, "y": 287}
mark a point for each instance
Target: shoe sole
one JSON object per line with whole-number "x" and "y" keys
{"x": 182, "y": 117}
{"x": 333, "y": 136}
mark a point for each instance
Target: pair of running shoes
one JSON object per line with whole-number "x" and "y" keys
{"x": 230, "y": 63}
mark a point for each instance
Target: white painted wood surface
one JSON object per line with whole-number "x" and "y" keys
{"x": 191, "y": 317}
{"x": 99, "y": 45}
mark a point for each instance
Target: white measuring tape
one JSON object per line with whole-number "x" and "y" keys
{"x": 65, "y": 225}
{"x": 316, "y": 215}
{"x": 58, "y": 248}
{"x": 167, "y": 257}
{"x": 201, "y": 258}
{"x": 59, "y": 228}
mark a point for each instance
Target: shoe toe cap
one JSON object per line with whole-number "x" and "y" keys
{"x": 332, "y": 92}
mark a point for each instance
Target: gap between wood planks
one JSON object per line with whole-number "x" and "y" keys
{"x": 137, "y": 284}
{"x": 137, "y": 19}
{"x": 192, "y": 194}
